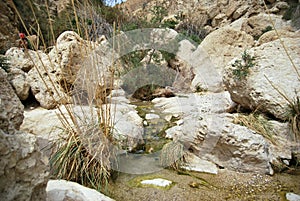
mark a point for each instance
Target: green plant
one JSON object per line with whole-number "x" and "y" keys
{"x": 4, "y": 64}
{"x": 199, "y": 88}
{"x": 241, "y": 67}
{"x": 74, "y": 162}
{"x": 268, "y": 28}
{"x": 159, "y": 13}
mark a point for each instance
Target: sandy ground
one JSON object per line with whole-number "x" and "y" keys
{"x": 226, "y": 185}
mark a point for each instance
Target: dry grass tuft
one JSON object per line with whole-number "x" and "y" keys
{"x": 173, "y": 155}
{"x": 257, "y": 123}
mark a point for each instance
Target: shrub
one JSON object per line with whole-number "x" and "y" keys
{"x": 241, "y": 67}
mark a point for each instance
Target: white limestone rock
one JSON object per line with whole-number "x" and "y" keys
{"x": 61, "y": 190}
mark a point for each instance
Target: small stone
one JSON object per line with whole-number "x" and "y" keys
{"x": 157, "y": 182}
{"x": 292, "y": 197}
{"x": 151, "y": 116}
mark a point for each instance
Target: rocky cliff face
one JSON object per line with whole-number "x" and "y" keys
{"x": 208, "y": 14}
{"x": 24, "y": 170}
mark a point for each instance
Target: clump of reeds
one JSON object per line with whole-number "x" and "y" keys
{"x": 173, "y": 155}
{"x": 257, "y": 123}
{"x": 86, "y": 152}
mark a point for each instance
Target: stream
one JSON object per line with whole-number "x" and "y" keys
{"x": 146, "y": 157}
{"x": 143, "y": 163}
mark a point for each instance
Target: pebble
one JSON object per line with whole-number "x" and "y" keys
{"x": 157, "y": 182}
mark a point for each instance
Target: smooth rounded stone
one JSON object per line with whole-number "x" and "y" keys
{"x": 151, "y": 116}
{"x": 157, "y": 182}
{"x": 292, "y": 197}
{"x": 60, "y": 190}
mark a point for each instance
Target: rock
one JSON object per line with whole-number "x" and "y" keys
{"x": 157, "y": 182}
{"x": 216, "y": 138}
{"x": 128, "y": 128}
{"x": 215, "y": 51}
{"x": 24, "y": 60}
{"x": 272, "y": 35}
{"x": 45, "y": 87}
{"x": 60, "y": 190}
{"x": 255, "y": 92}
{"x": 292, "y": 197}
{"x": 24, "y": 170}
{"x": 151, "y": 116}
{"x": 69, "y": 53}
{"x": 17, "y": 79}
{"x": 195, "y": 103}
{"x": 11, "y": 108}
{"x": 47, "y": 125}
{"x": 240, "y": 11}
{"x": 9, "y": 22}
{"x": 219, "y": 19}
{"x": 209, "y": 132}
{"x": 255, "y": 25}
{"x": 194, "y": 163}
{"x": 282, "y": 5}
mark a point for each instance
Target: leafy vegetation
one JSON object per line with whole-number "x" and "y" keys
{"x": 241, "y": 67}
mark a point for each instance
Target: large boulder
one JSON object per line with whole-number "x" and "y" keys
{"x": 24, "y": 170}
{"x": 47, "y": 125}
{"x": 228, "y": 145}
{"x": 24, "y": 60}
{"x": 216, "y": 50}
{"x": 60, "y": 190}
{"x": 255, "y": 91}
{"x": 212, "y": 134}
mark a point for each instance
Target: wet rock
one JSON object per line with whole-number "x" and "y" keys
{"x": 60, "y": 190}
